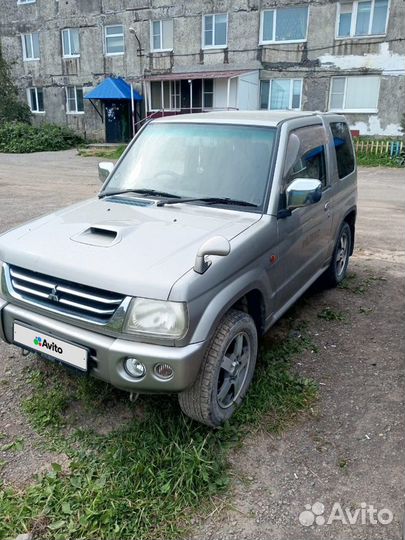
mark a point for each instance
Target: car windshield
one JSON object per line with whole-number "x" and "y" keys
{"x": 198, "y": 161}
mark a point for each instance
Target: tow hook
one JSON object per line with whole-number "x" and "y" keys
{"x": 133, "y": 396}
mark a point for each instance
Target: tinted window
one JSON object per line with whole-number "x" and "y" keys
{"x": 343, "y": 147}
{"x": 306, "y": 155}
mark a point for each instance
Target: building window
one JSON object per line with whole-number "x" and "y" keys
{"x": 175, "y": 95}
{"x": 354, "y": 94}
{"x": 165, "y": 95}
{"x": 74, "y": 100}
{"x": 284, "y": 24}
{"x": 357, "y": 19}
{"x": 70, "y": 42}
{"x": 26, "y": 1}
{"x": 215, "y": 31}
{"x": 162, "y": 35}
{"x": 36, "y": 100}
{"x": 281, "y": 94}
{"x": 30, "y": 43}
{"x": 114, "y": 39}
{"x": 208, "y": 93}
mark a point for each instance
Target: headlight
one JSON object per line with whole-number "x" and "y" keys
{"x": 157, "y": 318}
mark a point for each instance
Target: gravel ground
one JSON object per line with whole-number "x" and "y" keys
{"x": 348, "y": 449}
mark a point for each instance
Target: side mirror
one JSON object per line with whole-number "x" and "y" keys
{"x": 217, "y": 245}
{"x": 105, "y": 168}
{"x": 303, "y": 192}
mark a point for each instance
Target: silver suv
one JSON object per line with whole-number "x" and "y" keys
{"x": 206, "y": 231}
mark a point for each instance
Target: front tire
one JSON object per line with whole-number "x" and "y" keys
{"x": 337, "y": 270}
{"x": 226, "y": 371}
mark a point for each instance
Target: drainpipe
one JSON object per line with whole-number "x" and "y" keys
{"x": 132, "y": 110}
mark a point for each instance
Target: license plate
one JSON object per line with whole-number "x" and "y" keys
{"x": 51, "y": 346}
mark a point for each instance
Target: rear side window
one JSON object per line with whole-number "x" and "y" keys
{"x": 343, "y": 147}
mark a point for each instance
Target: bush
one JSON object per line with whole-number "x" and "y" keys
{"x": 11, "y": 109}
{"x": 17, "y": 137}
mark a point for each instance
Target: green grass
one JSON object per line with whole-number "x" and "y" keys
{"x": 376, "y": 160}
{"x": 358, "y": 285}
{"x": 113, "y": 153}
{"x": 329, "y": 314}
{"x": 148, "y": 478}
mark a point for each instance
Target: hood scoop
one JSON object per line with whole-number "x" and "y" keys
{"x": 101, "y": 235}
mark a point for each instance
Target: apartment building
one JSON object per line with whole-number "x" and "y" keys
{"x": 73, "y": 58}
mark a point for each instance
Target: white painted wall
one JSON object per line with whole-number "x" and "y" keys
{"x": 372, "y": 126}
{"x": 390, "y": 63}
{"x": 220, "y": 93}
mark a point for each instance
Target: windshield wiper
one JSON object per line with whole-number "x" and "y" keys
{"x": 153, "y": 192}
{"x": 208, "y": 200}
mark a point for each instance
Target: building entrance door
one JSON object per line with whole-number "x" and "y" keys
{"x": 117, "y": 121}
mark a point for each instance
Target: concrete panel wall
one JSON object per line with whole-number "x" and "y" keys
{"x": 316, "y": 60}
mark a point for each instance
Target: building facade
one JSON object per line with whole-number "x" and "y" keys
{"x": 346, "y": 56}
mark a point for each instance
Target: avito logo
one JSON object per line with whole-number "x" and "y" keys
{"x": 39, "y": 342}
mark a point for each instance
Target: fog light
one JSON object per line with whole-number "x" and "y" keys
{"x": 164, "y": 371}
{"x": 134, "y": 367}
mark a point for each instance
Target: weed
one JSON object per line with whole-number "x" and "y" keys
{"x": 329, "y": 314}
{"x": 357, "y": 286}
{"x": 14, "y": 446}
{"x": 365, "y": 310}
{"x": 343, "y": 463}
{"x": 108, "y": 153}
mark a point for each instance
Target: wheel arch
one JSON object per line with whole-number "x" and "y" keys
{"x": 252, "y": 303}
{"x": 249, "y": 292}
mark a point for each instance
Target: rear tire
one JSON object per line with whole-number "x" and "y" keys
{"x": 337, "y": 270}
{"x": 226, "y": 371}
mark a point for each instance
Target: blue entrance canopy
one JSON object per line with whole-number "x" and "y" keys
{"x": 113, "y": 88}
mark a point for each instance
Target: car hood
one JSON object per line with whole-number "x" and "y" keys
{"x": 123, "y": 245}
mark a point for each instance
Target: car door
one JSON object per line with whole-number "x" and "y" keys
{"x": 304, "y": 233}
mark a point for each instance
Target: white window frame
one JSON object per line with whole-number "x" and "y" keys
{"x": 352, "y": 35}
{"x": 292, "y": 80}
{"x": 66, "y": 102}
{"x": 69, "y": 55}
{"x": 203, "y": 45}
{"x": 344, "y": 110}
{"x": 171, "y": 95}
{"x": 22, "y": 2}
{"x": 161, "y": 48}
{"x": 106, "y": 53}
{"x": 25, "y": 57}
{"x": 36, "y": 96}
{"x": 274, "y": 10}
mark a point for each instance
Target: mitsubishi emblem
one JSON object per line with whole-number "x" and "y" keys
{"x": 53, "y": 296}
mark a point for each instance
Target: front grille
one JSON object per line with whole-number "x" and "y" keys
{"x": 64, "y": 296}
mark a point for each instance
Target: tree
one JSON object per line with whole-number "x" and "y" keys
{"x": 11, "y": 109}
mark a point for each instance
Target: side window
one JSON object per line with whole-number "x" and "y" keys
{"x": 305, "y": 156}
{"x": 343, "y": 148}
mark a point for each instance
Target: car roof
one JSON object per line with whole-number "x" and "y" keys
{"x": 257, "y": 118}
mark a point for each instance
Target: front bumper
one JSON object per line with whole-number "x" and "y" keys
{"x": 107, "y": 354}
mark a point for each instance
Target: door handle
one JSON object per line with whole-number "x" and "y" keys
{"x": 327, "y": 206}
